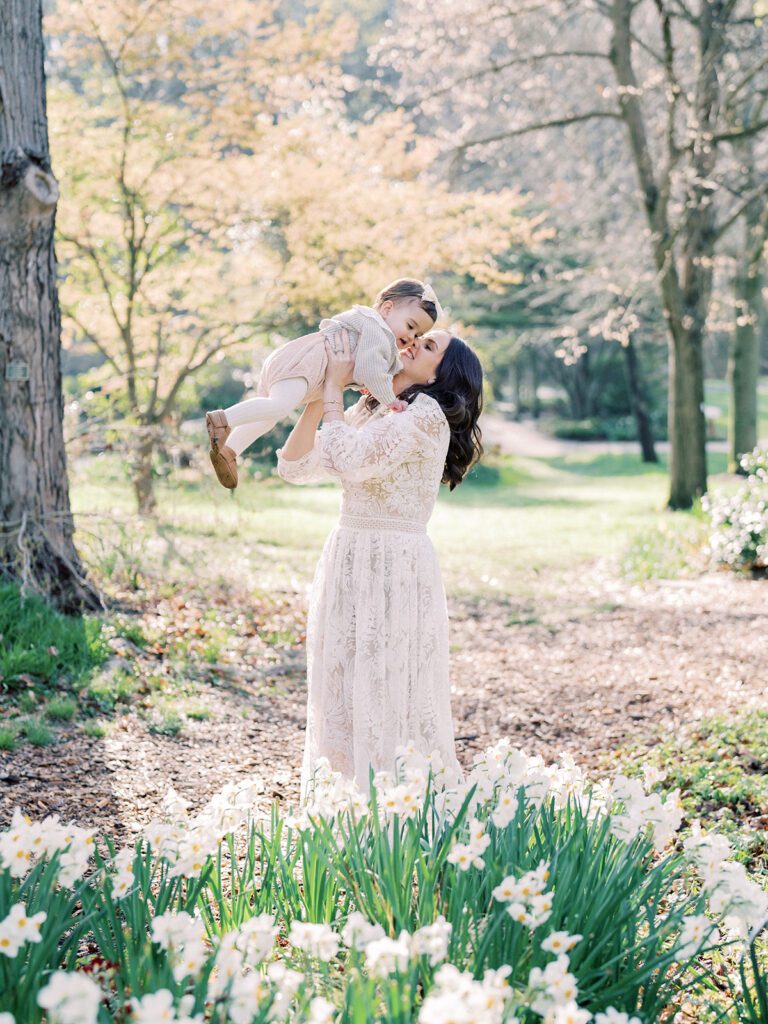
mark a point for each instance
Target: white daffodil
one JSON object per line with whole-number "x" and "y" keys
{"x": 318, "y": 940}
{"x": 320, "y": 1011}
{"x": 358, "y": 932}
{"x": 70, "y": 998}
{"x": 612, "y": 1016}
{"x": 432, "y": 940}
{"x": 560, "y": 942}
{"x": 154, "y": 1008}
{"x": 385, "y": 956}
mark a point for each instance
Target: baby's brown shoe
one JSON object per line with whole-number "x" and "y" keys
{"x": 225, "y": 463}
{"x": 222, "y": 456}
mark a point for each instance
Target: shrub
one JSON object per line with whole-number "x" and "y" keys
{"x": 579, "y": 430}
{"x": 739, "y": 522}
{"x": 599, "y": 428}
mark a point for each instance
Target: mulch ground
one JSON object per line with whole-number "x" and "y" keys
{"x": 609, "y": 665}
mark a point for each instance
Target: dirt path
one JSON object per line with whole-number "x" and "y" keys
{"x": 611, "y": 664}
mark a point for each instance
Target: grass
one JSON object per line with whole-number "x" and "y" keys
{"x": 165, "y": 721}
{"x": 61, "y": 709}
{"x": 109, "y": 689}
{"x": 42, "y": 644}
{"x": 95, "y": 729}
{"x": 196, "y": 710}
{"x": 721, "y": 769}
{"x": 8, "y": 738}
{"x": 37, "y": 732}
{"x": 669, "y": 550}
{"x": 512, "y": 521}
{"x": 516, "y": 526}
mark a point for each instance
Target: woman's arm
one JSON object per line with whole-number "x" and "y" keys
{"x": 301, "y": 439}
{"x": 298, "y": 461}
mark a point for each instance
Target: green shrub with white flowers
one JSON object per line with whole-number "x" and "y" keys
{"x": 739, "y": 521}
{"x": 519, "y": 894}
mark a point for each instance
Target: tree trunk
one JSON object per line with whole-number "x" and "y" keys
{"x": 535, "y": 404}
{"x": 743, "y": 368}
{"x": 143, "y": 480}
{"x": 744, "y": 357}
{"x": 638, "y": 403}
{"x": 762, "y": 320}
{"x": 515, "y": 381}
{"x": 36, "y": 543}
{"x": 686, "y": 288}
{"x": 687, "y": 428}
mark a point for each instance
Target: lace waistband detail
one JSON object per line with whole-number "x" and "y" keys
{"x": 353, "y": 522}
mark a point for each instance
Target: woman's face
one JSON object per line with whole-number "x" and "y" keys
{"x": 420, "y": 363}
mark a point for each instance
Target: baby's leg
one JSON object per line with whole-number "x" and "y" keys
{"x": 242, "y": 437}
{"x": 284, "y": 395}
{"x": 257, "y": 416}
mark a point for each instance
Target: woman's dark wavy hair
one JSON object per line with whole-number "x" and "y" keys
{"x": 458, "y": 389}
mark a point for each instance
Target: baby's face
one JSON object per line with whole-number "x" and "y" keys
{"x": 407, "y": 321}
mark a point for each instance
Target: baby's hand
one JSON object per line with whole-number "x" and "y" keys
{"x": 398, "y": 405}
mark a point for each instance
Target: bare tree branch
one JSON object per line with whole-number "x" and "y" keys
{"x": 193, "y": 367}
{"x": 558, "y": 122}
{"x": 493, "y": 69}
{"x": 741, "y": 133}
{"x": 90, "y": 253}
{"x": 756, "y": 193}
{"x": 92, "y": 339}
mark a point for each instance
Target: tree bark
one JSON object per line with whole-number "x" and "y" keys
{"x": 687, "y": 426}
{"x": 638, "y": 403}
{"x": 143, "y": 481}
{"x": 534, "y": 362}
{"x": 515, "y": 382}
{"x": 744, "y": 357}
{"x": 761, "y": 308}
{"x": 36, "y": 539}
{"x": 743, "y": 369}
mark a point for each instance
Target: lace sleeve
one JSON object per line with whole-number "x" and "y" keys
{"x": 310, "y": 469}
{"x": 384, "y": 443}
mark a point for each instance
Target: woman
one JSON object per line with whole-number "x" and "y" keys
{"x": 378, "y": 625}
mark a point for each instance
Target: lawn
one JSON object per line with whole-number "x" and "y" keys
{"x": 510, "y": 523}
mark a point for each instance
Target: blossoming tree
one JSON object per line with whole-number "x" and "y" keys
{"x": 216, "y": 192}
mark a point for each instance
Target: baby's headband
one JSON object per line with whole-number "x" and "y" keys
{"x": 428, "y": 295}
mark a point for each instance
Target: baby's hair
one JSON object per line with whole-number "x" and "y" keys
{"x": 407, "y": 288}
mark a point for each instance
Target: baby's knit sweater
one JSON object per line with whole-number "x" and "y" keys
{"x": 374, "y": 347}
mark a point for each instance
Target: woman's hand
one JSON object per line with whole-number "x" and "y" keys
{"x": 341, "y": 363}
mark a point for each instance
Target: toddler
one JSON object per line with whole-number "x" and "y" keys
{"x": 295, "y": 372}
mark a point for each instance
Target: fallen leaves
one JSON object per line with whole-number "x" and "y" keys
{"x": 567, "y": 675}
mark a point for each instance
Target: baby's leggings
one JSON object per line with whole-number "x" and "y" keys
{"x": 256, "y": 416}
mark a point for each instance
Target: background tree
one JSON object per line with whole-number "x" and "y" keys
{"x": 211, "y": 203}
{"x": 157, "y": 107}
{"x": 662, "y": 69}
{"x": 36, "y": 529}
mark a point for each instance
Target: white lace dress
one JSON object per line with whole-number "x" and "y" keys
{"x": 377, "y": 643}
